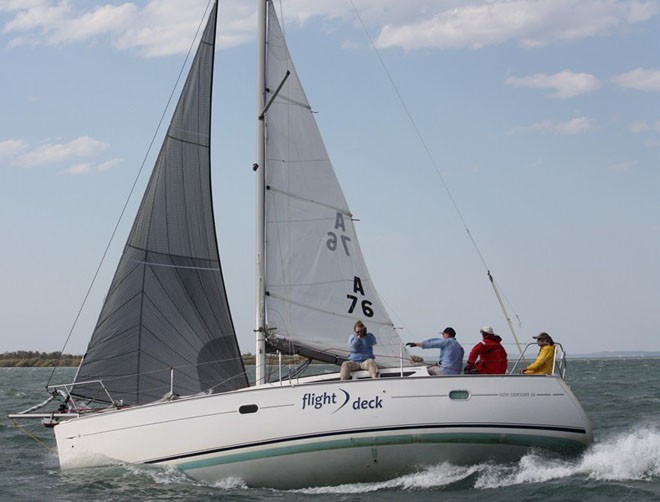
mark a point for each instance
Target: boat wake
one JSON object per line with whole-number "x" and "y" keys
{"x": 630, "y": 456}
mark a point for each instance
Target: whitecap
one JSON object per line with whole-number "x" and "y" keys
{"x": 433, "y": 477}
{"x": 630, "y": 456}
{"x": 627, "y": 456}
{"x": 230, "y": 484}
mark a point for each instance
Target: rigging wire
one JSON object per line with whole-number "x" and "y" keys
{"x": 31, "y": 435}
{"x": 131, "y": 191}
{"x": 437, "y": 170}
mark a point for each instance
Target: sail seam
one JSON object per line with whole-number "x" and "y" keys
{"x": 307, "y": 284}
{"x": 187, "y": 141}
{"x": 336, "y": 314}
{"x": 284, "y": 300}
{"x": 153, "y": 264}
{"x": 171, "y": 255}
{"x": 311, "y": 201}
{"x": 178, "y": 308}
{"x": 292, "y": 101}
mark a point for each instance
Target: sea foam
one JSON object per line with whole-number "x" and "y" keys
{"x": 437, "y": 476}
{"x": 632, "y": 455}
{"x": 628, "y": 456}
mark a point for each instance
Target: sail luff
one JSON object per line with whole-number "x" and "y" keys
{"x": 167, "y": 306}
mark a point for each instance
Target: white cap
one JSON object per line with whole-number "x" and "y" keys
{"x": 488, "y": 330}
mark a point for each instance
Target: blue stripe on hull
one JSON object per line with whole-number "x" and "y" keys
{"x": 468, "y": 438}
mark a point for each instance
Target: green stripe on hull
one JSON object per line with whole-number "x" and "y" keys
{"x": 549, "y": 443}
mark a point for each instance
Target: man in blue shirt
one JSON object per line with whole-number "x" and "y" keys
{"x": 451, "y": 353}
{"x": 362, "y": 354}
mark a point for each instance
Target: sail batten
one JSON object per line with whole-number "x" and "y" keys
{"x": 167, "y": 308}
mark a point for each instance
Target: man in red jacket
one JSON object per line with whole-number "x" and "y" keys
{"x": 488, "y": 356}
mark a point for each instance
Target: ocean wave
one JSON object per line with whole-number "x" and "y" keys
{"x": 629, "y": 456}
{"x": 633, "y": 455}
{"x": 438, "y": 476}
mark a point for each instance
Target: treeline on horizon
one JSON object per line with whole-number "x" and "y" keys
{"x": 36, "y": 359}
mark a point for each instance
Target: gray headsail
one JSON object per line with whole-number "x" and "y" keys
{"x": 167, "y": 307}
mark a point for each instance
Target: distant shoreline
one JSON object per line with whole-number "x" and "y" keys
{"x": 628, "y": 354}
{"x": 36, "y": 359}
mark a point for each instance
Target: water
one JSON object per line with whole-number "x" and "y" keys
{"x": 621, "y": 396}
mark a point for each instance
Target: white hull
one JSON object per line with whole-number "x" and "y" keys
{"x": 322, "y": 431}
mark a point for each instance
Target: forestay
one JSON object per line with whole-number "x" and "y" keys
{"x": 167, "y": 307}
{"x": 317, "y": 283}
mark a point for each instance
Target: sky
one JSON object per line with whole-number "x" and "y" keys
{"x": 516, "y": 136}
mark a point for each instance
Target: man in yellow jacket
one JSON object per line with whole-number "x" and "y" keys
{"x": 546, "y": 358}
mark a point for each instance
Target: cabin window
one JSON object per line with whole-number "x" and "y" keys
{"x": 459, "y": 394}
{"x": 248, "y": 408}
{"x": 396, "y": 374}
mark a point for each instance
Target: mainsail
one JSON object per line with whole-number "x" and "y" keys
{"x": 317, "y": 283}
{"x": 166, "y": 313}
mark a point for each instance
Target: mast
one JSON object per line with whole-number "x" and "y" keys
{"x": 260, "y": 325}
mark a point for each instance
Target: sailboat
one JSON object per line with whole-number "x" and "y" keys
{"x": 163, "y": 383}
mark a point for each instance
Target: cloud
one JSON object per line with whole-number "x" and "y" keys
{"x": 159, "y": 28}
{"x": 642, "y": 127}
{"x": 57, "y": 153}
{"x": 18, "y": 153}
{"x": 89, "y": 168}
{"x": 11, "y": 148}
{"x": 640, "y": 79}
{"x": 14, "y": 5}
{"x": 578, "y": 125}
{"x": 78, "y": 169}
{"x": 106, "y": 19}
{"x": 565, "y": 84}
{"x": 106, "y": 166}
{"x": 530, "y": 23}
{"x": 623, "y": 166}
{"x": 164, "y": 27}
